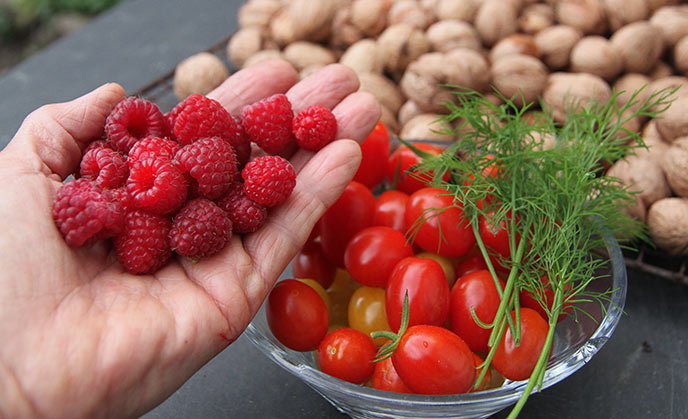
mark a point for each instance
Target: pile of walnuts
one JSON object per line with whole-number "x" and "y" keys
{"x": 557, "y": 50}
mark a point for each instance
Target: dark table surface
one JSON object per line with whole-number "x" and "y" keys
{"x": 641, "y": 372}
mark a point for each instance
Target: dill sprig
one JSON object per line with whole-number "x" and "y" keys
{"x": 555, "y": 201}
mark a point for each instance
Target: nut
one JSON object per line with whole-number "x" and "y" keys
{"x": 409, "y": 12}
{"x": 459, "y": 10}
{"x": 344, "y": 33}
{"x": 386, "y": 92}
{"x": 569, "y": 92}
{"x": 468, "y": 68}
{"x": 407, "y": 111}
{"x": 655, "y": 146}
{"x": 640, "y": 45}
{"x": 596, "y": 55}
{"x": 399, "y": 45}
{"x": 672, "y": 21}
{"x": 200, "y": 73}
{"x": 681, "y": 55}
{"x": 628, "y": 85}
{"x": 555, "y": 44}
{"x": 302, "y": 54}
{"x": 495, "y": 20}
{"x": 303, "y": 20}
{"x": 653, "y": 5}
{"x": 262, "y": 56}
{"x": 520, "y": 78}
{"x": 363, "y": 57}
{"x": 370, "y": 16}
{"x": 389, "y": 120}
{"x": 423, "y": 127}
{"x": 446, "y": 35}
{"x": 517, "y": 43}
{"x": 643, "y": 176}
{"x": 676, "y": 166}
{"x": 673, "y": 122}
{"x": 667, "y": 223}
{"x": 623, "y": 12}
{"x": 258, "y": 13}
{"x": 245, "y": 43}
{"x": 536, "y": 17}
{"x": 585, "y": 15}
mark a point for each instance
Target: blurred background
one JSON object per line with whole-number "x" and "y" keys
{"x": 26, "y": 26}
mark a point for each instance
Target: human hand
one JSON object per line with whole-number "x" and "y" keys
{"x": 81, "y": 337}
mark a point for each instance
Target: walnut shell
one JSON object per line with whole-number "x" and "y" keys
{"x": 459, "y": 10}
{"x": 555, "y": 44}
{"x": 655, "y": 146}
{"x": 245, "y": 43}
{"x": 258, "y": 13}
{"x": 399, "y": 45}
{"x": 407, "y": 111}
{"x": 596, "y": 55}
{"x": 520, "y": 78}
{"x": 389, "y": 119}
{"x": 568, "y": 92}
{"x": 585, "y": 15}
{"x": 303, "y": 20}
{"x": 622, "y": 12}
{"x": 495, "y": 20}
{"x": 262, "y": 56}
{"x": 660, "y": 70}
{"x": 409, "y": 12}
{"x": 536, "y": 17}
{"x": 675, "y": 166}
{"x": 643, "y": 176}
{"x": 672, "y": 21}
{"x": 468, "y": 68}
{"x": 421, "y": 127}
{"x": 673, "y": 122}
{"x": 628, "y": 85}
{"x": 363, "y": 57}
{"x": 653, "y": 5}
{"x": 518, "y": 43}
{"x": 640, "y": 45}
{"x": 199, "y": 73}
{"x": 370, "y": 16}
{"x": 667, "y": 223}
{"x": 386, "y": 91}
{"x": 446, "y": 35}
{"x": 344, "y": 33}
{"x": 302, "y": 54}
{"x": 681, "y": 55}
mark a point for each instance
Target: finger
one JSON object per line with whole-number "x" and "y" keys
{"x": 254, "y": 83}
{"x": 326, "y": 87}
{"x": 56, "y": 133}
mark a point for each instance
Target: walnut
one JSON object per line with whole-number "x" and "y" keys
{"x": 596, "y": 55}
{"x": 628, "y": 85}
{"x": 302, "y": 54}
{"x": 517, "y": 43}
{"x": 262, "y": 56}
{"x": 421, "y": 127}
{"x": 245, "y": 43}
{"x": 536, "y": 17}
{"x": 622, "y": 12}
{"x": 640, "y": 45}
{"x": 495, "y": 20}
{"x": 668, "y": 84}
{"x": 258, "y": 13}
{"x": 584, "y": 15}
{"x": 447, "y": 35}
{"x": 555, "y": 44}
{"x": 399, "y": 45}
{"x": 390, "y": 121}
{"x": 370, "y": 16}
{"x": 660, "y": 70}
{"x": 676, "y": 166}
{"x": 409, "y": 12}
{"x": 643, "y": 176}
{"x": 407, "y": 111}
{"x": 672, "y": 21}
{"x": 520, "y": 78}
{"x": 681, "y": 55}
{"x": 303, "y": 20}
{"x": 200, "y": 73}
{"x": 464, "y": 10}
{"x": 568, "y": 92}
{"x": 344, "y": 33}
{"x": 673, "y": 122}
{"x": 655, "y": 146}
{"x": 667, "y": 223}
{"x": 363, "y": 57}
{"x": 386, "y": 92}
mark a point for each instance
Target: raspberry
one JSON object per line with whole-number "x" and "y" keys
{"x": 122, "y": 196}
{"x": 269, "y": 180}
{"x": 105, "y": 167}
{"x": 241, "y": 143}
{"x": 314, "y": 128}
{"x": 153, "y": 147}
{"x": 132, "y": 119}
{"x": 201, "y": 117}
{"x": 97, "y": 144}
{"x": 211, "y": 162}
{"x": 85, "y": 213}
{"x": 144, "y": 244}
{"x": 268, "y": 122}
{"x": 200, "y": 229}
{"x": 247, "y": 216}
{"x": 156, "y": 185}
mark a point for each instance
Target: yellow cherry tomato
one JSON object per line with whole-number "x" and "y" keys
{"x": 367, "y": 311}
{"x": 446, "y": 264}
{"x": 340, "y": 292}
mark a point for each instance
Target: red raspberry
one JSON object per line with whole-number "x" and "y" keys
{"x": 97, "y": 144}
{"x": 314, "y": 128}
{"x": 156, "y": 185}
{"x": 200, "y": 229}
{"x": 269, "y": 180}
{"x": 153, "y": 147}
{"x": 132, "y": 119}
{"x": 105, "y": 167}
{"x": 247, "y": 216}
{"x": 144, "y": 244}
{"x": 268, "y": 122}
{"x": 241, "y": 143}
{"x": 122, "y": 196}
{"x": 211, "y": 162}
{"x": 85, "y": 213}
{"x": 201, "y": 117}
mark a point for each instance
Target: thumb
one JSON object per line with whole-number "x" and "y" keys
{"x": 54, "y": 135}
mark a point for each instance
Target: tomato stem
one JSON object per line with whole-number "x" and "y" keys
{"x": 388, "y": 348}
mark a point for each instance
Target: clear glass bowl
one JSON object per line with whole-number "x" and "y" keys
{"x": 575, "y": 343}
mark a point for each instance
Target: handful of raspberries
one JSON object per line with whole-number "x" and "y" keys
{"x": 184, "y": 181}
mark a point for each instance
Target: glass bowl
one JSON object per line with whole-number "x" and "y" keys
{"x": 576, "y": 341}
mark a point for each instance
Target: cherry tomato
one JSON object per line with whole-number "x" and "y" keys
{"x": 474, "y": 290}
{"x": 518, "y": 362}
{"x": 446, "y": 264}
{"x": 311, "y": 262}
{"x": 351, "y": 213}
{"x": 389, "y": 209}
{"x": 367, "y": 312}
{"x": 529, "y": 300}
{"x": 496, "y": 238}
{"x": 347, "y": 354}
{"x": 400, "y": 163}
{"x": 437, "y": 223}
{"x": 385, "y": 377}
{"x": 297, "y": 315}
{"x": 487, "y": 379}
{"x": 372, "y": 253}
{"x": 433, "y": 360}
{"x": 340, "y": 293}
{"x": 470, "y": 264}
{"x": 374, "y": 149}
{"x": 428, "y": 293}
{"x": 317, "y": 287}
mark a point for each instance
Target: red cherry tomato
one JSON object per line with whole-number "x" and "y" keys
{"x": 385, "y": 377}
{"x": 374, "y": 149}
{"x": 496, "y": 238}
{"x": 351, "y": 213}
{"x": 400, "y": 163}
{"x": 312, "y": 263}
{"x": 471, "y": 264}
{"x": 428, "y": 293}
{"x": 437, "y": 223}
{"x": 373, "y": 252}
{"x": 529, "y": 300}
{"x": 474, "y": 290}
{"x": 297, "y": 315}
{"x": 347, "y": 354}
{"x": 486, "y": 381}
{"x": 518, "y": 362}
{"x": 389, "y": 209}
{"x": 433, "y": 360}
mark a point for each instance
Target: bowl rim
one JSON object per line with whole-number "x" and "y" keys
{"x": 509, "y": 392}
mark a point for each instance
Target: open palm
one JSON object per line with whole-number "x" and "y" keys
{"x": 81, "y": 337}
